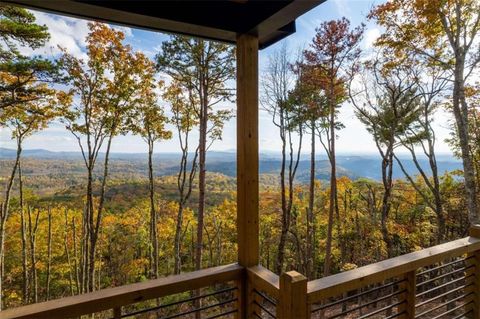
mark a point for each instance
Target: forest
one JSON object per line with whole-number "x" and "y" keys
{"x": 69, "y": 227}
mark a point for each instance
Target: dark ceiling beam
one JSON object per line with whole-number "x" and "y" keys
{"x": 282, "y": 20}
{"x": 123, "y": 18}
{"x": 272, "y": 29}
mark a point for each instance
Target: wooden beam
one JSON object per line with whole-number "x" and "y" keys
{"x": 271, "y": 29}
{"x": 247, "y": 150}
{"x": 264, "y": 280}
{"x": 124, "y": 18}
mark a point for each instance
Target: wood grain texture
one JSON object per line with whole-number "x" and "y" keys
{"x": 293, "y": 296}
{"x": 247, "y": 150}
{"x": 264, "y": 280}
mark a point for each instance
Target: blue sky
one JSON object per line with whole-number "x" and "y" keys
{"x": 70, "y": 33}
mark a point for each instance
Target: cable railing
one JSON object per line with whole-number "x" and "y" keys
{"x": 265, "y": 289}
{"x": 212, "y": 293}
{"x": 439, "y": 282}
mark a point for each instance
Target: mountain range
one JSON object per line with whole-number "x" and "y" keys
{"x": 351, "y": 165}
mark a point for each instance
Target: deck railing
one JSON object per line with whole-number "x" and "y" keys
{"x": 438, "y": 282}
{"x": 219, "y": 295}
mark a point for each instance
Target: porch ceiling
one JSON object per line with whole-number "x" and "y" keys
{"x": 222, "y": 20}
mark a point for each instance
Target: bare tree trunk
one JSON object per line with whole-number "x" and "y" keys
{"x": 311, "y": 202}
{"x": 32, "y": 229}
{"x": 333, "y": 190}
{"x": 284, "y": 231}
{"x": 287, "y": 183}
{"x": 88, "y": 210}
{"x": 4, "y": 215}
{"x": 387, "y": 172}
{"x": 67, "y": 254}
{"x": 178, "y": 237}
{"x": 202, "y": 147}
{"x": 460, "y": 110}
{"x": 23, "y": 231}
{"x": 76, "y": 262}
{"x": 49, "y": 252}
{"x": 184, "y": 186}
{"x": 153, "y": 213}
{"x": 94, "y": 224}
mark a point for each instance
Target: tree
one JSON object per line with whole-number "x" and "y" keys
{"x": 185, "y": 119}
{"x": 473, "y": 98}
{"x": 203, "y": 69}
{"x": 444, "y": 32}
{"x": 430, "y": 85}
{"x": 21, "y": 74}
{"x": 24, "y": 121}
{"x": 148, "y": 121}
{"x": 332, "y": 58}
{"x": 105, "y": 87}
{"x": 276, "y": 85}
{"x": 311, "y": 106}
{"x": 387, "y": 104}
{"x": 19, "y": 28}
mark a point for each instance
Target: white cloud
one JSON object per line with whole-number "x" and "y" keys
{"x": 370, "y": 37}
{"x": 66, "y": 32}
{"x": 126, "y": 30}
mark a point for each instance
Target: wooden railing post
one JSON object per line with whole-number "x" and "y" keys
{"x": 474, "y": 231}
{"x": 292, "y": 301}
{"x": 239, "y": 293}
{"x": 410, "y": 292}
{"x": 117, "y": 313}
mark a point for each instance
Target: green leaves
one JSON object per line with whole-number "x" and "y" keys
{"x": 17, "y": 26}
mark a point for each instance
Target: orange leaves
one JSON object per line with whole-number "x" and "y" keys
{"x": 332, "y": 57}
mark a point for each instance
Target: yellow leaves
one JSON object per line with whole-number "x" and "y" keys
{"x": 348, "y": 266}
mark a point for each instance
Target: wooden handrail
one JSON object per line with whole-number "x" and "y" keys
{"x": 334, "y": 285}
{"x": 120, "y": 296}
{"x": 265, "y": 280}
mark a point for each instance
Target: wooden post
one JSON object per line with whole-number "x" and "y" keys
{"x": 293, "y": 296}
{"x": 410, "y": 292}
{"x": 247, "y": 150}
{"x": 474, "y": 231}
{"x": 247, "y": 162}
{"x": 117, "y": 313}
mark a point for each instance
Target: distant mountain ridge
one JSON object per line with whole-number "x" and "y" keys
{"x": 354, "y": 166}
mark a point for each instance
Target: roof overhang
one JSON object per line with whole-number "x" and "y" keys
{"x": 220, "y": 20}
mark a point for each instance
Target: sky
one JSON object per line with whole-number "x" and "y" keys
{"x": 70, "y": 33}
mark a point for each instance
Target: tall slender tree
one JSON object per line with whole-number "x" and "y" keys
{"x": 430, "y": 83}
{"x": 149, "y": 121}
{"x": 277, "y": 83}
{"x": 203, "y": 68}
{"x": 446, "y": 33}
{"x": 311, "y": 106}
{"x": 332, "y": 56}
{"x": 105, "y": 88}
{"x": 185, "y": 119}
{"x": 23, "y": 121}
{"x": 387, "y": 104}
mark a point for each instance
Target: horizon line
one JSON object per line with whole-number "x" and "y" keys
{"x": 215, "y": 151}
